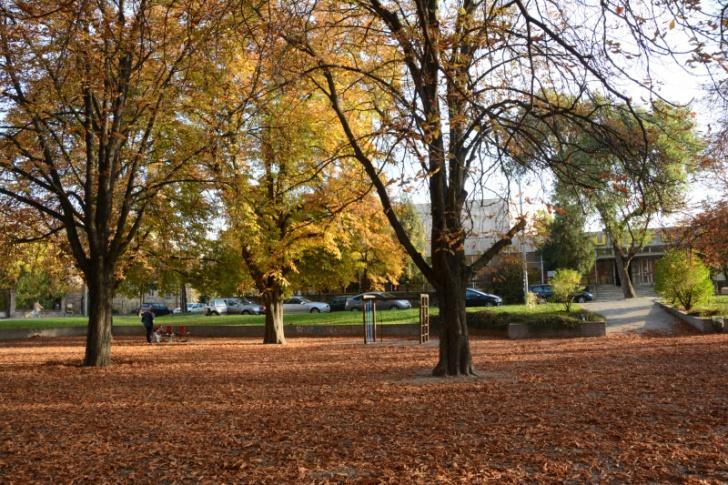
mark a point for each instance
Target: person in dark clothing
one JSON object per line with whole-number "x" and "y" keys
{"x": 148, "y": 321}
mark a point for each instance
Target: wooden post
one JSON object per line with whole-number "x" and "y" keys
{"x": 424, "y": 318}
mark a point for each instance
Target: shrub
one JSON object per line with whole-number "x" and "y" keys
{"x": 680, "y": 276}
{"x": 566, "y": 284}
{"x": 504, "y": 278}
{"x": 531, "y": 299}
{"x": 498, "y": 321}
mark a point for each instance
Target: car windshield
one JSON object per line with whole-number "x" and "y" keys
{"x": 303, "y": 300}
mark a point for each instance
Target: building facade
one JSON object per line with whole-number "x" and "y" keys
{"x": 642, "y": 269}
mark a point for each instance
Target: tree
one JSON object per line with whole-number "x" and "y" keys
{"x": 280, "y": 172}
{"x": 566, "y": 284}
{"x": 504, "y": 277}
{"x": 456, "y": 89}
{"x": 680, "y": 276}
{"x": 90, "y": 131}
{"x": 566, "y": 244}
{"x": 365, "y": 252}
{"x": 630, "y": 174}
{"x": 707, "y": 234}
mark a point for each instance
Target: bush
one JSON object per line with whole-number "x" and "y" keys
{"x": 498, "y": 321}
{"x": 504, "y": 278}
{"x": 680, "y": 276}
{"x": 566, "y": 284}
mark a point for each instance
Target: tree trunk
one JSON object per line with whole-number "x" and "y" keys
{"x": 12, "y": 302}
{"x": 624, "y": 277}
{"x": 455, "y": 358}
{"x": 98, "y": 336}
{"x": 183, "y": 297}
{"x": 273, "y": 317}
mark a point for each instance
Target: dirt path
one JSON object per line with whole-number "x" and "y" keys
{"x": 634, "y": 315}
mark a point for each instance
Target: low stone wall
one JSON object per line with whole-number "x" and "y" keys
{"x": 21, "y": 333}
{"x": 701, "y": 324}
{"x": 383, "y": 331}
{"x": 586, "y": 329}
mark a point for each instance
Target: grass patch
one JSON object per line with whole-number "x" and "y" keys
{"x": 550, "y": 315}
{"x": 334, "y": 318}
{"x": 388, "y": 317}
{"x": 478, "y": 317}
{"x": 716, "y": 306}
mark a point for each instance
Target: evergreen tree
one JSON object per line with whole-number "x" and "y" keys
{"x": 567, "y": 245}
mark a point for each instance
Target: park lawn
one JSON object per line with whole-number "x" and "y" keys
{"x": 717, "y": 305}
{"x": 334, "y": 318}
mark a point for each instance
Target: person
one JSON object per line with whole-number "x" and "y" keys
{"x": 37, "y": 308}
{"x": 148, "y": 321}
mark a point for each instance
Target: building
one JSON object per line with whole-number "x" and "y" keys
{"x": 486, "y": 221}
{"x": 605, "y": 277}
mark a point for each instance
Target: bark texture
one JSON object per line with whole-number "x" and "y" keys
{"x": 273, "y": 318}
{"x": 454, "y": 356}
{"x": 625, "y": 278}
{"x": 98, "y": 336}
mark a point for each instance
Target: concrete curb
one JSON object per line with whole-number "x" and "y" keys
{"x": 586, "y": 329}
{"x": 704, "y": 325}
{"x": 385, "y": 331}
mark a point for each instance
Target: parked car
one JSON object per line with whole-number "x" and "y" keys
{"x": 475, "y": 297}
{"x": 299, "y": 304}
{"x": 338, "y": 303}
{"x": 229, "y": 306}
{"x": 546, "y": 292}
{"x": 191, "y": 308}
{"x": 158, "y": 309}
{"x": 383, "y": 301}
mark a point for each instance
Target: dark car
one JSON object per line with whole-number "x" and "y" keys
{"x": 338, "y": 303}
{"x": 383, "y": 301}
{"x": 158, "y": 309}
{"x": 475, "y": 297}
{"x": 546, "y": 292}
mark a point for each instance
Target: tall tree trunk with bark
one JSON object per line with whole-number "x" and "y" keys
{"x": 12, "y": 302}
{"x": 454, "y": 356}
{"x": 98, "y": 335}
{"x": 623, "y": 263}
{"x": 273, "y": 317}
{"x": 183, "y": 297}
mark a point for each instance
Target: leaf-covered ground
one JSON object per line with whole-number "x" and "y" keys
{"x": 618, "y": 409}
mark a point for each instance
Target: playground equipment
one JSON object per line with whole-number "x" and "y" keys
{"x": 369, "y": 310}
{"x": 424, "y": 318}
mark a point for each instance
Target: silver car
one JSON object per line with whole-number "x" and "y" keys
{"x": 299, "y": 304}
{"x": 383, "y": 301}
{"x": 229, "y": 306}
{"x": 192, "y": 308}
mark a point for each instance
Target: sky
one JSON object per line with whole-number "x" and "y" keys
{"x": 675, "y": 82}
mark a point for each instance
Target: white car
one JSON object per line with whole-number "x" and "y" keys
{"x": 191, "y": 308}
{"x": 228, "y": 306}
{"x": 298, "y": 304}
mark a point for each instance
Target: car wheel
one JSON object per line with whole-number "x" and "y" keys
{"x": 581, "y": 299}
{"x": 487, "y": 303}
{"x": 246, "y": 312}
{"x": 315, "y": 310}
{"x": 353, "y": 309}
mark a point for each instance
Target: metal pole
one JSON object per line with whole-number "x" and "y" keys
{"x": 523, "y": 246}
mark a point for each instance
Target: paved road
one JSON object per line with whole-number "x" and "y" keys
{"x": 633, "y": 315}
